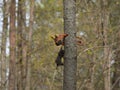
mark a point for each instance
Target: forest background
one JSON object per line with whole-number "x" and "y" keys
{"x": 28, "y": 53}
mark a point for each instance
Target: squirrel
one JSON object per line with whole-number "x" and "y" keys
{"x": 59, "y": 40}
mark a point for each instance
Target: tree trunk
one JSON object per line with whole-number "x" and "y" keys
{"x": 28, "y": 79}
{"x": 24, "y": 43}
{"x": 12, "y": 46}
{"x": 3, "y": 46}
{"x": 104, "y": 27}
{"x": 70, "y": 58}
{"x": 20, "y": 62}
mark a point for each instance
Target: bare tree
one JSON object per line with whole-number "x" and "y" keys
{"x": 3, "y": 44}
{"x": 31, "y": 20}
{"x": 20, "y": 45}
{"x": 12, "y": 46}
{"x": 105, "y": 28}
{"x": 70, "y": 58}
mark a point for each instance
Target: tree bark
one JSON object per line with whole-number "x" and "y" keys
{"x": 24, "y": 43}
{"x": 20, "y": 46}
{"x": 104, "y": 27}
{"x": 12, "y": 46}
{"x": 3, "y": 45}
{"x": 28, "y": 79}
{"x": 70, "y": 58}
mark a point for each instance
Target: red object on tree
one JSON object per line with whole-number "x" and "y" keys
{"x": 59, "y": 39}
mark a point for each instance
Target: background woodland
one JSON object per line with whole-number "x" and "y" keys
{"x": 28, "y": 53}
